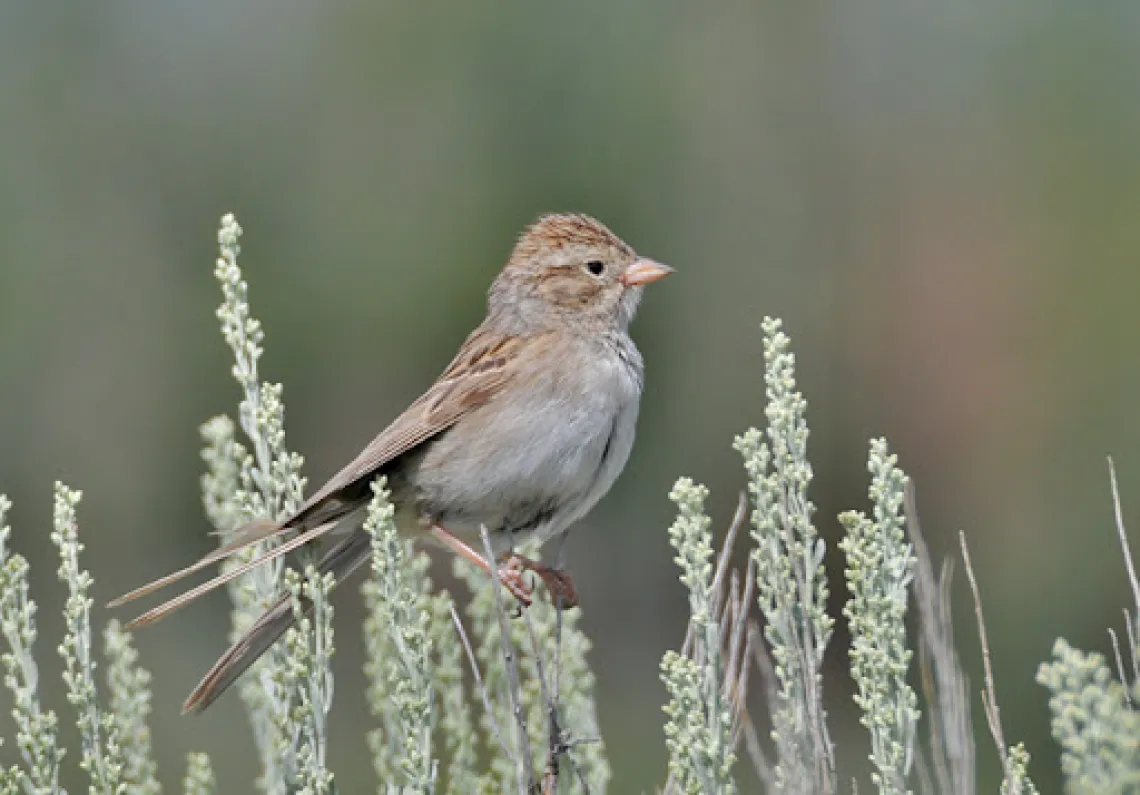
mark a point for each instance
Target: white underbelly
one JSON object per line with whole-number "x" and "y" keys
{"x": 549, "y": 460}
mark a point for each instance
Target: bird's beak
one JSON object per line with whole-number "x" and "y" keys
{"x": 645, "y": 271}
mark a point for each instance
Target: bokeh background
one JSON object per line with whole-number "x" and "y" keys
{"x": 940, "y": 200}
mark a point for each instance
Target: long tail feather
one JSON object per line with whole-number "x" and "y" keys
{"x": 341, "y": 560}
{"x": 168, "y": 607}
{"x": 242, "y": 654}
{"x": 252, "y": 533}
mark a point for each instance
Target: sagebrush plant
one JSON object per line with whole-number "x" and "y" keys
{"x": 264, "y": 483}
{"x": 399, "y": 653}
{"x": 487, "y": 699}
{"x": 880, "y": 568}
{"x": 792, "y": 583}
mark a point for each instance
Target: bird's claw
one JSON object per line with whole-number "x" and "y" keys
{"x": 558, "y": 583}
{"x": 514, "y": 580}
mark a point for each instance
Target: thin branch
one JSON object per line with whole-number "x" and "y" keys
{"x": 989, "y": 697}
{"x": 1132, "y": 579}
{"x": 736, "y": 665}
{"x": 722, "y": 562}
{"x": 756, "y": 754}
{"x": 1120, "y": 667}
{"x": 945, "y": 686}
{"x": 1133, "y": 646}
{"x": 763, "y": 662}
{"x": 544, "y": 691}
{"x": 729, "y": 612}
{"x": 922, "y": 770}
{"x": 740, "y": 692}
{"x": 555, "y": 745}
{"x": 728, "y": 619}
{"x": 524, "y": 763}
{"x": 479, "y": 685}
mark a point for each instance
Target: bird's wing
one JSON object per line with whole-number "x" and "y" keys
{"x": 479, "y": 372}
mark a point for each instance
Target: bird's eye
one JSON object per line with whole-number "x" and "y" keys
{"x": 596, "y": 267}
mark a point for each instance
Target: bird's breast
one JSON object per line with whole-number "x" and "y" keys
{"x": 537, "y": 457}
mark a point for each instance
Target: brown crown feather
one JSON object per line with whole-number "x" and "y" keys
{"x": 556, "y": 230}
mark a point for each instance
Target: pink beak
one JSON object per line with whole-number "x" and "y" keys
{"x": 645, "y": 271}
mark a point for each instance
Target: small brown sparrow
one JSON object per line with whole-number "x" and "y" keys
{"x": 523, "y": 433}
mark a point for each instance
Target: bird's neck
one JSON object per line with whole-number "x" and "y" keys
{"x": 521, "y": 320}
{"x": 514, "y": 310}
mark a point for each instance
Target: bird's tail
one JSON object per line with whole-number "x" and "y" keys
{"x": 341, "y": 560}
{"x": 186, "y": 597}
{"x": 252, "y": 533}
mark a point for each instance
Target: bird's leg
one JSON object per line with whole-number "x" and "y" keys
{"x": 558, "y": 583}
{"x": 512, "y": 578}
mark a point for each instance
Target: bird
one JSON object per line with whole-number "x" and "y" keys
{"x": 522, "y": 434}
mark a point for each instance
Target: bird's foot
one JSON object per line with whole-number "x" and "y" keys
{"x": 558, "y": 583}
{"x": 514, "y": 580}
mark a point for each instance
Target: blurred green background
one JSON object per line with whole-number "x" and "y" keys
{"x": 940, "y": 199}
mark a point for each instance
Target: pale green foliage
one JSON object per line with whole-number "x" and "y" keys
{"x": 1096, "y": 725}
{"x": 35, "y": 727}
{"x": 199, "y": 778}
{"x": 1096, "y": 718}
{"x": 498, "y": 721}
{"x": 555, "y": 657}
{"x": 277, "y": 486}
{"x": 227, "y": 465}
{"x": 455, "y": 733}
{"x": 307, "y": 674}
{"x": 116, "y": 743}
{"x": 455, "y": 723}
{"x": 129, "y": 687}
{"x": 791, "y": 580}
{"x": 684, "y": 730}
{"x": 224, "y": 457}
{"x": 268, "y": 484}
{"x": 552, "y": 663}
{"x": 880, "y": 567}
{"x": 564, "y": 650}
{"x": 102, "y": 754}
{"x": 402, "y": 692}
{"x": 699, "y": 731}
{"x": 1016, "y": 780}
{"x": 690, "y": 536}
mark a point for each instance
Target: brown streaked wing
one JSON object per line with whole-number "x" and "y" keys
{"x": 476, "y": 374}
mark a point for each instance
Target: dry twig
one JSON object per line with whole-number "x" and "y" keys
{"x": 989, "y": 697}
